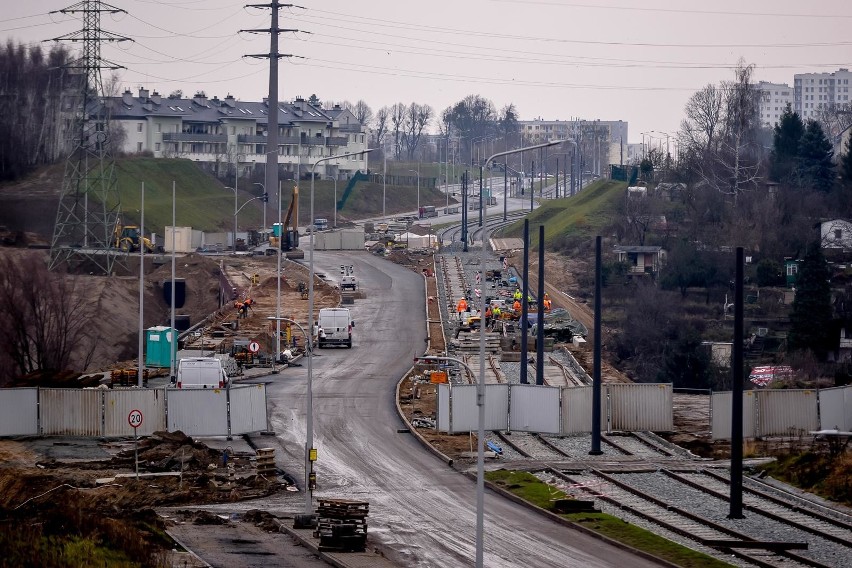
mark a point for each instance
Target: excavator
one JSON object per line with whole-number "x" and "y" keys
{"x": 126, "y": 238}
{"x": 287, "y": 234}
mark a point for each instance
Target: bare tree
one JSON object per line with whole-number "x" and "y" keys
{"x": 704, "y": 114}
{"x": 397, "y": 120}
{"x": 835, "y": 119}
{"x": 363, "y": 113}
{"x": 734, "y": 164}
{"x": 44, "y": 321}
{"x": 381, "y": 124}
{"x": 417, "y": 118}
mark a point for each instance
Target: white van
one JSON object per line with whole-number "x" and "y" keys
{"x": 201, "y": 373}
{"x": 335, "y": 327}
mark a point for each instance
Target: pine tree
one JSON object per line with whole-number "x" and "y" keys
{"x": 811, "y": 316}
{"x": 815, "y": 168}
{"x": 785, "y": 146}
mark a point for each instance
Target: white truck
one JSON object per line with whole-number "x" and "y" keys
{"x": 347, "y": 277}
{"x": 201, "y": 373}
{"x": 335, "y": 327}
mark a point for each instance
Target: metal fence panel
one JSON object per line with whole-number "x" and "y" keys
{"x": 248, "y": 409}
{"x": 577, "y": 410}
{"x": 19, "y": 412}
{"x": 70, "y": 412}
{"x": 443, "y": 410}
{"x": 465, "y": 413}
{"x": 496, "y": 407}
{"x": 197, "y": 412}
{"x": 786, "y": 412}
{"x": 119, "y": 402}
{"x": 640, "y": 407}
{"x": 534, "y": 408}
{"x": 835, "y": 409}
{"x": 721, "y": 412}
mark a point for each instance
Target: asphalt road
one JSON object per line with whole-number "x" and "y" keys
{"x": 422, "y": 513}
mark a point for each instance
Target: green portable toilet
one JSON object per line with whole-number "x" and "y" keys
{"x": 160, "y": 342}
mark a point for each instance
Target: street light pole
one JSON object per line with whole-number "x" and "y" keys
{"x": 262, "y": 188}
{"x": 480, "y": 389}
{"x": 417, "y": 171}
{"x": 309, "y": 440}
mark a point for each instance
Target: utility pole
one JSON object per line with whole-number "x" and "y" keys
{"x": 271, "y": 173}
{"x": 84, "y": 229}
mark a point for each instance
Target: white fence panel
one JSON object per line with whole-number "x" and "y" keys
{"x": 465, "y": 413}
{"x": 198, "y": 412}
{"x": 577, "y": 410}
{"x": 721, "y": 412}
{"x": 248, "y": 409}
{"x": 786, "y": 412}
{"x": 496, "y": 407}
{"x": 443, "y": 410}
{"x": 835, "y": 409}
{"x": 640, "y": 407}
{"x": 119, "y": 402}
{"x": 534, "y": 408}
{"x": 19, "y": 412}
{"x": 70, "y": 412}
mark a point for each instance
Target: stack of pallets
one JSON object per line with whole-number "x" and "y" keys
{"x": 342, "y": 525}
{"x": 266, "y": 462}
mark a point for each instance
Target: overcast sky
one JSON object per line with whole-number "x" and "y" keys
{"x": 554, "y": 59}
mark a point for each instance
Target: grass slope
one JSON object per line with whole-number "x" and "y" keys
{"x": 583, "y": 215}
{"x": 202, "y": 202}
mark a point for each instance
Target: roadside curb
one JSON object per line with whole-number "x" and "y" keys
{"x": 189, "y": 550}
{"x": 425, "y": 443}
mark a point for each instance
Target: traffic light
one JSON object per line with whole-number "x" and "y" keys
{"x": 265, "y": 197}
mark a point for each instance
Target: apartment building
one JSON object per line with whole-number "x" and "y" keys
{"x": 816, "y": 91}
{"x": 774, "y": 98}
{"x": 601, "y": 142}
{"x": 228, "y": 133}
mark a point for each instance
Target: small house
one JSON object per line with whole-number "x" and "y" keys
{"x": 836, "y": 234}
{"x": 641, "y": 259}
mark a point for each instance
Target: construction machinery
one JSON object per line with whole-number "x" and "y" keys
{"x": 126, "y": 238}
{"x": 286, "y": 234}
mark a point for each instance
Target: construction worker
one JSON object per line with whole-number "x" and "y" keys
{"x": 516, "y": 306}
{"x": 461, "y": 306}
{"x": 495, "y": 316}
{"x": 518, "y": 295}
{"x": 488, "y": 315}
{"x": 547, "y": 303}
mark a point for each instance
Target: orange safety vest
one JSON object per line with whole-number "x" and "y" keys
{"x": 516, "y": 306}
{"x": 461, "y": 306}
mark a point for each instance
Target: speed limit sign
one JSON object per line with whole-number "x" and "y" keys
{"x": 135, "y": 418}
{"x": 254, "y": 347}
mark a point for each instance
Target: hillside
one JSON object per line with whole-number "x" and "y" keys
{"x": 202, "y": 201}
{"x": 584, "y": 215}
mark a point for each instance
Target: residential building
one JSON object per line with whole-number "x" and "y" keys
{"x": 601, "y": 142}
{"x": 641, "y": 259}
{"x": 228, "y": 133}
{"x": 816, "y": 91}
{"x": 774, "y": 98}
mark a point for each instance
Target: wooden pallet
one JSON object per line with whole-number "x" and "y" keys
{"x": 265, "y": 463}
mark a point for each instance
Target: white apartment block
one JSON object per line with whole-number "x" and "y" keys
{"x": 774, "y": 98}
{"x": 232, "y": 133}
{"x": 816, "y": 91}
{"x": 611, "y": 137}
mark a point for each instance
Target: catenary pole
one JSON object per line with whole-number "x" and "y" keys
{"x": 141, "y": 243}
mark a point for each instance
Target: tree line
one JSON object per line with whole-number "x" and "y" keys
{"x": 35, "y": 89}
